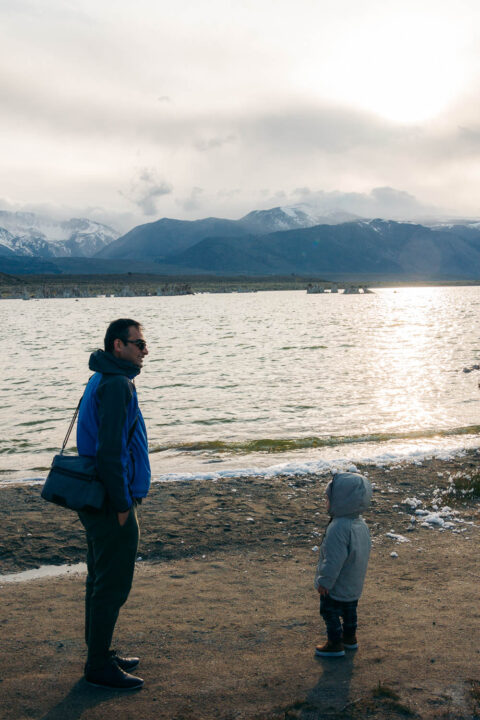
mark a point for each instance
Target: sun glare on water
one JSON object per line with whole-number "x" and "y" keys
{"x": 406, "y": 361}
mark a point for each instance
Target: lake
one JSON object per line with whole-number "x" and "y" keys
{"x": 254, "y": 382}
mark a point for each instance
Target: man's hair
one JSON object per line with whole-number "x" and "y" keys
{"x": 119, "y": 329}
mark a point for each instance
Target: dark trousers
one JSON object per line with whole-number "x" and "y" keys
{"x": 111, "y": 554}
{"x": 332, "y": 610}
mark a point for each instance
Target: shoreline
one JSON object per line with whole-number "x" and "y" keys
{"x": 223, "y": 611}
{"x": 301, "y": 468}
{"x": 145, "y": 284}
{"x": 233, "y": 511}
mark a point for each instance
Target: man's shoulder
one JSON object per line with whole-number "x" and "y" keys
{"x": 118, "y": 378}
{"x": 116, "y": 384}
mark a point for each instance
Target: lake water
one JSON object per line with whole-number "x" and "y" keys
{"x": 261, "y": 382}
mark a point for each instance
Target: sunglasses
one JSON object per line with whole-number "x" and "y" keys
{"x": 141, "y": 344}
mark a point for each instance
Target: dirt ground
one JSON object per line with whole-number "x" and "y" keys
{"x": 224, "y": 615}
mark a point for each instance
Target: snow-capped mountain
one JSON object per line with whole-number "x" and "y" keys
{"x": 292, "y": 217}
{"x": 6, "y": 241}
{"x": 163, "y": 237}
{"x": 36, "y": 235}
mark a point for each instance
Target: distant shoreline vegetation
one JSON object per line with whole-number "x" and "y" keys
{"x": 141, "y": 285}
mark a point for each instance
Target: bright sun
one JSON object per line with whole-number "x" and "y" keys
{"x": 410, "y": 86}
{"x": 402, "y": 68}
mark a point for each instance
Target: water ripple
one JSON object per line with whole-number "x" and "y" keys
{"x": 253, "y": 374}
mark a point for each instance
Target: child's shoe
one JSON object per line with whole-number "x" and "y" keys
{"x": 350, "y": 642}
{"x": 330, "y": 649}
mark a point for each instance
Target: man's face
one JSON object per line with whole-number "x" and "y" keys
{"x": 131, "y": 352}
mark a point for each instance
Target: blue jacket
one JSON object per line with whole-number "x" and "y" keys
{"x": 107, "y": 413}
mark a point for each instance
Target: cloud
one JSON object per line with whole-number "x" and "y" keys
{"x": 276, "y": 144}
{"x": 146, "y": 189}
{"x": 84, "y": 111}
{"x": 384, "y": 202}
{"x": 192, "y": 202}
{"x": 89, "y": 96}
{"x": 294, "y": 135}
{"x": 213, "y": 143}
{"x": 230, "y": 193}
{"x": 332, "y": 129}
{"x": 120, "y": 221}
{"x": 469, "y": 137}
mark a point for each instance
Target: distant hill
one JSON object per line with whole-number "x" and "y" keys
{"x": 157, "y": 240}
{"x": 280, "y": 241}
{"x": 15, "y": 265}
{"x": 19, "y": 265}
{"x": 375, "y": 246}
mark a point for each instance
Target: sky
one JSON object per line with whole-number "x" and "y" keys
{"x": 128, "y": 112}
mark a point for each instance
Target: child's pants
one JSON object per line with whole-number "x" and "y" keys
{"x": 332, "y": 610}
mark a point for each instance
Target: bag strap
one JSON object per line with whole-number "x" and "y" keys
{"x": 70, "y": 427}
{"x": 72, "y": 423}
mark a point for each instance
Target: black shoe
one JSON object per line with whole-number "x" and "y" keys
{"x": 125, "y": 663}
{"x": 112, "y": 677}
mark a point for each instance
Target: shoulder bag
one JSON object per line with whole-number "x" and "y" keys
{"x": 73, "y": 481}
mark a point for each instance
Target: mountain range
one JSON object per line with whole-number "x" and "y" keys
{"x": 362, "y": 247}
{"x": 29, "y": 234}
{"x": 280, "y": 241}
{"x": 165, "y": 237}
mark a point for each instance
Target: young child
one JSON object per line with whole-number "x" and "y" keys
{"x": 343, "y": 561}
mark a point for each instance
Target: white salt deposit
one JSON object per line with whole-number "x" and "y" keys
{"x": 45, "y": 571}
{"x": 397, "y": 537}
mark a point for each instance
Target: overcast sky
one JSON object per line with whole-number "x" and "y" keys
{"x": 130, "y": 111}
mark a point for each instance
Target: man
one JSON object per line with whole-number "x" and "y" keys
{"x": 111, "y": 428}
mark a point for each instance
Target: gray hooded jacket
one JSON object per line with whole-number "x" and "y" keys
{"x": 346, "y": 546}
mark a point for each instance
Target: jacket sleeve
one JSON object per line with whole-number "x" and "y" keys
{"x": 333, "y": 553}
{"x": 114, "y": 396}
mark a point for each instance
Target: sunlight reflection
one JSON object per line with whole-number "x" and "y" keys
{"x": 402, "y": 352}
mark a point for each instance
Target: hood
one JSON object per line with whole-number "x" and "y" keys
{"x": 104, "y": 362}
{"x": 349, "y": 494}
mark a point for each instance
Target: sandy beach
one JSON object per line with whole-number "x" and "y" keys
{"x": 224, "y": 615}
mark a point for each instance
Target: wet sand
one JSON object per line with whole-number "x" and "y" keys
{"x": 223, "y": 611}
